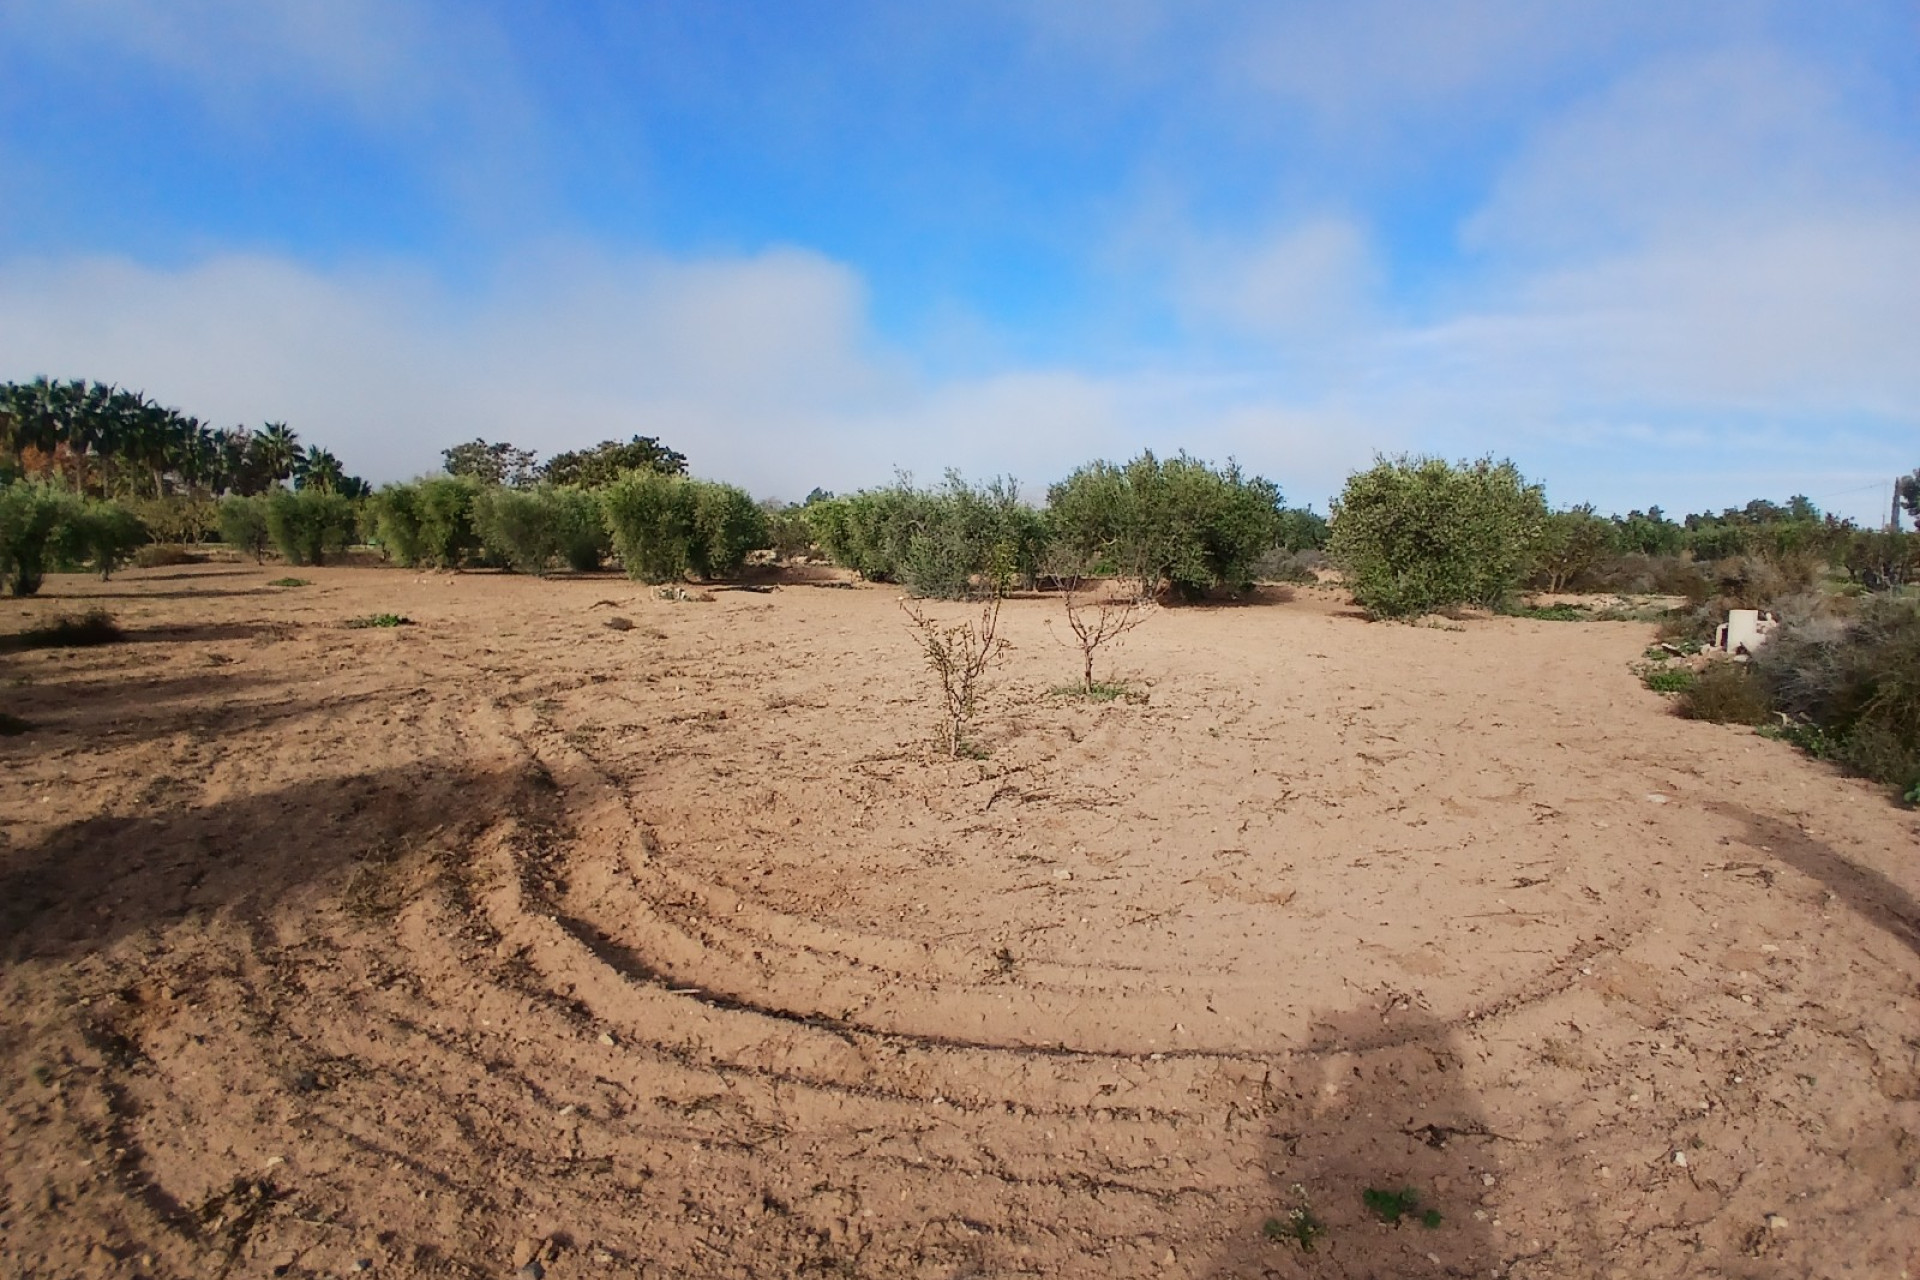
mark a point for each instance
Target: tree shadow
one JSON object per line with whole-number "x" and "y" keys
{"x": 88, "y": 883}
{"x": 1865, "y": 890}
{"x": 1373, "y": 1122}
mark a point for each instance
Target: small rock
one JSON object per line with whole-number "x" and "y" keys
{"x": 617, "y": 623}
{"x": 1656, "y": 798}
{"x": 1486, "y": 1179}
{"x": 1680, "y": 1158}
{"x": 1063, "y": 874}
{"x": 360, "y": 1266}
{"x": 606, "y": 1039}
{"x": 1776, "y": 1223}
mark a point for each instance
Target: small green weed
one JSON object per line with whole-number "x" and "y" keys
{"x": 1099, "y": 691}
{"x": 67, "y": 632}
{"x": 1391, "y": 1206}
{"x": 380, "y": 620}
{"x": 1552, "y": 612}
{"x": 11, "y": 725}
{"x": 1725, "y": 694}
{"x": 1300, "y": 1225}
{"x": 290, "y": 582}
{"x": 1662, "y": 678}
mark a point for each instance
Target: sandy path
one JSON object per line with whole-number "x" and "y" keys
{"x": 669, "y": 951}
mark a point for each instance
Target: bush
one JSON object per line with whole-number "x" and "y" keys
{"x": 306, "y": 524}
{"x": 1857, "y": 682}
{"x": 1572, "y": 547}
{"x": 1178, "y": 523}
{"x": 1725, "y": 693}
{"x": 531, "y": 529}
{"x": 243, "y": 525}
{"x": 176, "y": 518}
{"x": 1281, "y": 565}
{"x": 665, "y": 526}
{"x": 159, "y": 555}
{"x": 33, "y": 518}
{"x": 396, "y": 522}
{"x": 69, "y": 631}
{"x": 1415, "y": 535}
{"x": 444, "y": 508}
{"x": 101, "y": 534}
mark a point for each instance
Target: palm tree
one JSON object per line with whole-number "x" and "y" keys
{"x": 317, "y": 469}
{"x": 278, "y": 447}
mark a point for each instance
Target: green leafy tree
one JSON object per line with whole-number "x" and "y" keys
{"x": 532, "y": 529}
{"x": 1907, "y": 489}
{"x": 492, "y": 464}
{"x": 1414, "y": 535}
{"x": 32, "y": 516}
{"x": 102, "y": 534}
{"x": 243, "y": 525}
{"x": 1572, "y": 545}
{"x": 666, "y": 526}
{"x": 599, "y": 466}
{"x": 307, "y": 525}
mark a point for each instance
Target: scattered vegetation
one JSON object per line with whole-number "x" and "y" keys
{"x": 380, "y": 620}
{"x": 533, "y": 530}
{"x": 1664, "y": 677}
{"x": 666, "y": 526}
{"x": 1418, "y": 535}
{"x": 44, "y": 527}
{"x": 1392, "y": 1206}
{"x": 1095, "y": 620}
{"x": 1301, "y": 1225}
{"x": 243, "y": 525}
{"x": 1724, "y": 693}
{"x": 290, "y": 582}
{"x": 307, "y": 525}
{"x": 958, "y": 654}
{"x": 69, "y": 631}
{"x": 160, "y": 555}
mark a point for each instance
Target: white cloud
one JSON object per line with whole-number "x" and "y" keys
{"x": 1311, "y": 278}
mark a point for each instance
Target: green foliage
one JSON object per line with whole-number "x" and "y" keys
{"x": 176, "y": 518}
{"x": 491, "y": 464}
{"x": 665, "y": 526}
{"x": 1303, "y": 529}
{"x": 957, "y": 540}
{"x": 33, "y": 521}
{"x": 1857, "y": 682}
{"x": 1665, "y": 678}
{"x": 290, "y": 582}
{"x": 243, "y": 525}
{"x": 532, "y": 529}
{"x": 1551, "y": 612}
{"x": 443, "y": 506}
{"x": 1724, "y": 693}
{"x": 307, "y": 524}
{"x": 396, "y": 523}
{"x": 1572, "y": 546}
{"x": 789, "y": 530}
{"x": 1178, "y": 523}
{"x": 101, "y": 534}
{"x": 1416, "y": 535}
{"x": 1392, "y": 1206}
{"x": 379, "y": 620}
{"x": 607, "y": 461}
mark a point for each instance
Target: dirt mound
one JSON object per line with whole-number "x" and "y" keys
{"x": 508, "y": 940}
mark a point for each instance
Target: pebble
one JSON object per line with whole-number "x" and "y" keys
{"x": 1776, "y": 1223}
{"x": 1063, "y": 874}
{"x": 606, "y": 1039}
{"x": 360, "y": 1266}
{"x": 618, "y": 624}
{"x": 1680, "y": 1158}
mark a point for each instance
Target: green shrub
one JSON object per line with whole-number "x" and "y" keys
{"x": 33, "y": 520}
{"x": 176, "y": 518}
{"x": 1572, "y": 546}
{"x": 396, "y": 523}
{"x": 444, "y": 507}
{"x": 1725, "y": 693}
{"x": 379, "y": 620}
{"x": 243, "y": 525}
{"x": 1416, "y": 535}
{"x": 666, "y": 526}
{"x": 1662, "y": 678}
{"x": 1857, "y": 682}
{"x": 1177, "y": 523}
{"x": 307, "y": 524}
{"x": 103, "y": 535}
{"x": 530, "y": 529}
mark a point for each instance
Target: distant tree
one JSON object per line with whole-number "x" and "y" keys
{"x": 1908, "y": 489}
{"x": 604, "y": 463}
{"x": 317, "y": 469}
{"x": 274, "y": 450}
{"x": 492, "y": 464}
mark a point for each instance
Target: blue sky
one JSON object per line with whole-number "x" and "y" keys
{"x": 1655, "y": 253}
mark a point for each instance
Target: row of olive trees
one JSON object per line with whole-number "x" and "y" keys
{"x": 659, "y": 525}
{"x": 44, "y": 527}
{"x": 1174, "y": 524}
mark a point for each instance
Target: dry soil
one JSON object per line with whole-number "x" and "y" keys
{"x": 509, "y": 940}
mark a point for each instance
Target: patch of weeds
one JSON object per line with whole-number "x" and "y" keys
{"x": 1912, "y": 797}
{"x": 1300, "y": 1225}
{"x": 1662, "y": 678}
{"x": 68, "y": 632}
{"x": 12, "y": 726}
{"x": 1392, "y": 1206}
{"x": 1551, "y": 612}
{"x": 290, "y": 582}
{"x": 1724, "y": 693}
{"x": 1807, "y": 736}
{"x": 380, "y": 620}
{"x": 1099, "y": 691}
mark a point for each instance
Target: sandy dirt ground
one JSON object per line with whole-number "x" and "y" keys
{"x": 512, "y": 942}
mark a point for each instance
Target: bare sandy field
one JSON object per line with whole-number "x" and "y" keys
{"x": 510, "y": 941}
